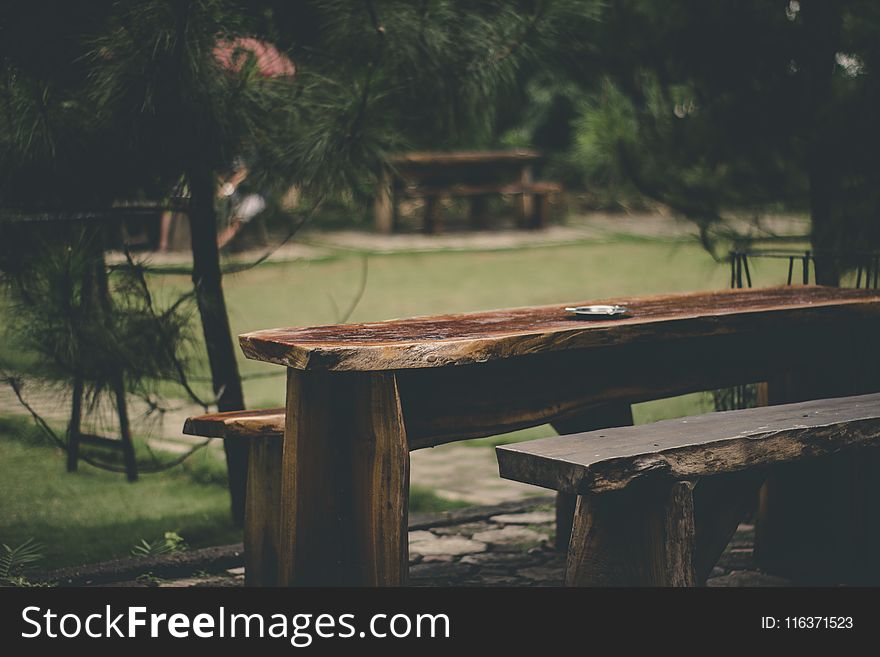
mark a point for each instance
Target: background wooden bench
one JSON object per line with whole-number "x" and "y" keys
{"x": 658, "y": 503}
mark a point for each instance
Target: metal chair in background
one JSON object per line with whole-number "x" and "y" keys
{"x": 867, "y": 268}
{"x": 867, "y": 265}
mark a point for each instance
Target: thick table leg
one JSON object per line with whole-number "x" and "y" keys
{"x": 602, "y": 417}
{"x": 345, "y": 481}
{"x": 642, "y": 535}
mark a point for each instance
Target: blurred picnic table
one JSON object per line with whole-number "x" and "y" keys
{"x": 476, "y": 175}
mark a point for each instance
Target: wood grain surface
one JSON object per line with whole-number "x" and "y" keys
{"x": 265, "y": 422}
{"x": 451, "y": 340}
{"x": 344, "y": 482}
{"x": 643, "y": 535}
{"x": 715, "y": 443}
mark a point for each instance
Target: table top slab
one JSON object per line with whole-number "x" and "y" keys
{"x": 448, "y": 340}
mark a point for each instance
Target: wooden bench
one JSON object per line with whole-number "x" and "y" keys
{"x": 657, "y": 504}
{"x": 264, "y": 430}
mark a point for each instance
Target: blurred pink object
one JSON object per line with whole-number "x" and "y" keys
{"x": 270, "y": 61}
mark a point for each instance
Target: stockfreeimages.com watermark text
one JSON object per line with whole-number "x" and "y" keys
{"x": 300, "y": 629}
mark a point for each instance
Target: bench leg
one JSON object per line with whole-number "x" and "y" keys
{"x": 566, "y": 505}
{"x": 525, "y": 202}
{"x": 345, "y": 481}
{"x": 262, "y": 514}
{"x": 642, "y": 535}
{"x": 602, "y": 417}
{"x": 433, "y": 215}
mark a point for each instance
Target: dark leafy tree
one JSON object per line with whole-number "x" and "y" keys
{"x": 128, "y": 99}
{"x": 712, "y": 106}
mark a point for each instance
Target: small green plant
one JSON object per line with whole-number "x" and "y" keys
{"x": 15, "y": 561}
{"x": 169, "y": 543}
{"x": 149, "y": 579}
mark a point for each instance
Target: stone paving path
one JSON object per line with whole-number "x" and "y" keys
{"x": 504, "y": 545}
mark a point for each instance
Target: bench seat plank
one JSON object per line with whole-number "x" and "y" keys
{"x": 266, "y": 422}
{"x": 540, "y": 187}
{"x": 715, "y": 443}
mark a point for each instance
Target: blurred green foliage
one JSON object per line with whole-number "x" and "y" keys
{"x": 713, "y": 107}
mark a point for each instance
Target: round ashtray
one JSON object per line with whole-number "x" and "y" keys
{"x": 599, "y": 311}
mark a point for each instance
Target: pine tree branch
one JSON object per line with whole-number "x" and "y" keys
{"x": 165, "y": 340}
{"x": 15, "y": 384}
{"x": 513, "y": 46}
{"x": 371, "y": 70}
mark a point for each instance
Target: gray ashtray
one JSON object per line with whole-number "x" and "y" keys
{"x": 599, "y": 312}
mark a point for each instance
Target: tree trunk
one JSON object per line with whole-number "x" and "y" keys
{"x": 207, "y": 279}
{"x": 822, "y": 33}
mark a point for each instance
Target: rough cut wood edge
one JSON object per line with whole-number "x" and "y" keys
{"x": 267, "y": 422}
{"x": 270, "y": 345}
{"x": 742, "y": 450}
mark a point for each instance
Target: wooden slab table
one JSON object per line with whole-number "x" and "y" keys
{"x": 361, "y": 396}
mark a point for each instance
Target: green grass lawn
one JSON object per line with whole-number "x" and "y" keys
{"x": 95, "y": 515}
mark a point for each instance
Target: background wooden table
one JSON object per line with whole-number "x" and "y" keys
{"x": 360, "y": 397}
{"x": 476, "y": 174}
